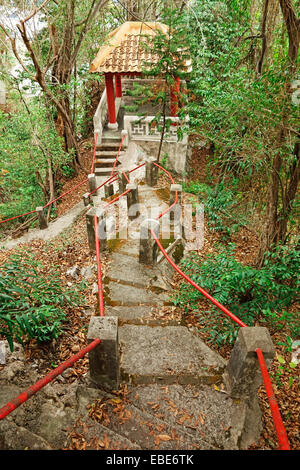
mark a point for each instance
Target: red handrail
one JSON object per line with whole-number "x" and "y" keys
{"x": 24, "y": 396}
{"x": 278, "y": 423}
{"x": 17, "y": 217}
{"x": 64, "y": 194}
{"x": 187, "y": 278}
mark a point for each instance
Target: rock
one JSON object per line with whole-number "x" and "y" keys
{"x": 53, "y": 424}
{"x": 2, "y": 353}
{"x": 66, "y": 374}
{"x": 73, "y": 272}
{"x": 295, "y": 352}
{"x": 95, "y": 288}
{"x": 13, "y": 437}
{"x": 159, "y": 283}
{"x": 87, "y": 272}
{"x": 88, "y": 312}
{"x": 11, "y": 370}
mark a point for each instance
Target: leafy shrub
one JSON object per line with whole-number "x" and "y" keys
{"x": 31, "y": 303}
{"x": 219, "y": 202}
{"x": 251, "y": 294}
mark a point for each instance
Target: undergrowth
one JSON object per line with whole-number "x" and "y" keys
{"x": 253, "y": 295}
{"x": 32, "y": 300}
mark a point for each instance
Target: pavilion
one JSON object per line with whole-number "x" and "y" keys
{"x": 124, "y": 54}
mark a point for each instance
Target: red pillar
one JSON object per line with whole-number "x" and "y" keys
{"x": 174, "y": 92}
{"x": 109, "y": 84}
{"x": 118, "y": 85}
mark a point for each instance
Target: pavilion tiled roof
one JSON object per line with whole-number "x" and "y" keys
{"x": 130, "y": 56}
{"x": 125, "y": 51}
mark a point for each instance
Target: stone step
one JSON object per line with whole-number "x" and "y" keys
{"x": 95, "y": 433}
{"x": 99, "y": 437}
{"x": 108, "y": 154}
{"x": 105, "y": 162}
{"x": 198, "y": 411}
{"x": 117, "y": 293}
{"x": 123, "y": 418}
{"x": 128, "y": 269}
{"x": 110, "y": 145}
{"x": 111, "y": 137}
{"x": 167, "y": 355}
{"x": 139, "y": 315}
{"x": 102, "y": 171}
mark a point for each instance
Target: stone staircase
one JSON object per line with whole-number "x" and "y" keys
{"x": 106, "y": 153}
{"x": 172, "y": 394}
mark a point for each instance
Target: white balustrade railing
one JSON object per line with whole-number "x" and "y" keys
{"x": 145, "y": 128}
{"x": 100, "y": 116}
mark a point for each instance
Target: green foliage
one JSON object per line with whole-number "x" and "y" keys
{"x": 28, "y": 141}
{"x": 32, "y": 302}
{"x": 251, "y": 294}
{"x": 283, "y": 368}
{"x": 219, "y": 204}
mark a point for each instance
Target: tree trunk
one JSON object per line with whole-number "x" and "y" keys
{"x": 277, "y": 219}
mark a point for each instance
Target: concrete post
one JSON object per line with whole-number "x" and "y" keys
{"x": 151, "y": 173}
{"x": 243, "y": 374}
{"x": 108, "y": 190}
{"x": 104, "y": 358}
{"x": 176, "y": 210}
{"x": 92, "y": 183}
{"x": 86, "y": 199}
{"x": 125, "y": 141}
{"x": 122, "y": 181}
{"x": 90, "y": 225}
{"x": 148, "y": 246}
{"x": 102, "y": 230}
{"x": 132, "y": 201}
{"x": 242, "y": 378}
{"x": 42, "y": 218}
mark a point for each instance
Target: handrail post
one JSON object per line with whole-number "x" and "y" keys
{"x": 148, "y": 246}
{"x": 42, "y": 218}
{"x": 243, "y": 378}
{"x": 104, "y": 358}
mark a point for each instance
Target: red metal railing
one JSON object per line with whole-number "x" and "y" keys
{"x": 279, "y": 426}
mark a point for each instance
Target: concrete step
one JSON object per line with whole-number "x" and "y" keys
{"x": 167, "y": 355}
{"x": 144, "y": 429}
{"x": 106, "y": 162}
{"x": 140, "y": 315}
{"x": 108, "y": 154}
{"x": 102, "y": 171}
{"x": 118, "y": 293}
{"x": 96, "y": 433}
{"x": 198, "y": 411}
{"x": 126, "y": 268}
{"x": 127, "y": 423}
{"x": 110, "y": 145}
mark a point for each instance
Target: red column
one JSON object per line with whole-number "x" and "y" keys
{"x": 118, "y": 85}
{"x": 109, "y": 84}
{"x": 174, "y": 92}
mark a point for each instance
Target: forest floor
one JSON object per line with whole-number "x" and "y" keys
{"x": 71, "y": 249}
